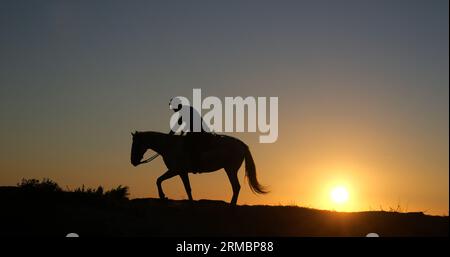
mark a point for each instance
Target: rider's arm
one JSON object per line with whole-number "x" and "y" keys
{"x": 179, "y": 122}
{"x": 172, "y": 133}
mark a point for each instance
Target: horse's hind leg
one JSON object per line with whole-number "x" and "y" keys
{"x": 232, "y": 175}
{"x": 167, "y": 175}
{"x": 185, "y": 178}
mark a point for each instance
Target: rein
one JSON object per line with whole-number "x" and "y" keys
{"x": 150, "y": 159}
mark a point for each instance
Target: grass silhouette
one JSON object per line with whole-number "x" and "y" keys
{"x": 49, "y": 188}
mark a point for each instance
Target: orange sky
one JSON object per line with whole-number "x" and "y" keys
{"x": 363, "y": 95}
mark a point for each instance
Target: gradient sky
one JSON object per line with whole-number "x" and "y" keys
{"x": 363, "y": 91}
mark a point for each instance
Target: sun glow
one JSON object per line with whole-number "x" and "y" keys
{"x": 339, "y": 195}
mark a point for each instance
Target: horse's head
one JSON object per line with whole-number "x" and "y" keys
{"x": 137, "y": 149}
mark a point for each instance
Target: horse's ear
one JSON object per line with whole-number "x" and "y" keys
{"x": 133, "y": 133}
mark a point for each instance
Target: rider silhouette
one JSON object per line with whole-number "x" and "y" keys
{"x": 196, "y": 142}
{"x": 193, "y": 116}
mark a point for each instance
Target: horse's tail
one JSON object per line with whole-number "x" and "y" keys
{"x": 250, "y": 173}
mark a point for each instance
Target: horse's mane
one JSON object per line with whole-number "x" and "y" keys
{"x": 150, "y": 133}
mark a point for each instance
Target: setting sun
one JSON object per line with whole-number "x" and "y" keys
{"x": 339, "y": 195}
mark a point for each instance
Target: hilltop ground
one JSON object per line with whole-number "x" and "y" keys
{"x": 29, "y": 210}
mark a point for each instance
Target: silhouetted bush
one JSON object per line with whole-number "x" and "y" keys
{"x": 119, "y": 193}
{"x": 46, "y": 186}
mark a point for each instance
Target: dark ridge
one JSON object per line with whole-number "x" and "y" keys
{"x": 51, "y": 211}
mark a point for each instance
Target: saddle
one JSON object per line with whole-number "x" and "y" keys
{"x": 197, "y": 144}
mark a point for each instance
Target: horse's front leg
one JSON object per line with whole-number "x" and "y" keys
{"x": 167, "y": 175}
{"x": 187, "y": 185}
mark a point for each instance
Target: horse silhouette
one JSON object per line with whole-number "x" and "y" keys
{"x": 222, "y": 152}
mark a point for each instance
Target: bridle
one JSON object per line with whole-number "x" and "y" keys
{"x": 151, "y": 158}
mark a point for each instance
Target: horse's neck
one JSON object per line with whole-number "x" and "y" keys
{"x": 156, "y": 142}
